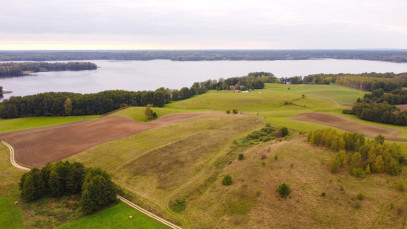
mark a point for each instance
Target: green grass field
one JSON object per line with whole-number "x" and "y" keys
{"x": 10, "y": 216}
{"x": 137, "y": 113}
{"x": 8, "y": 125}
{"x": 116, "y": 216}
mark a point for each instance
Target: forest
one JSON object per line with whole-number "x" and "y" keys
{"x": 378, "y": 106}
{"x": 67, "y": 103}
{"x": 211, "y": 55}
{"x": 395, "y": 97}
{"x": 365, "y": 81}
{"x": 21, "y": 69}
{"x": 378, "y": 112}
{"x": 361, "y": 155}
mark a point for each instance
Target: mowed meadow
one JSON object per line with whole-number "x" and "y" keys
{"x": 176, "y": 170}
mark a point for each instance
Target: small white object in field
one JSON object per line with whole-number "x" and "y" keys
{"x": 130, "y": 217}
{"x": 16, "y": 202}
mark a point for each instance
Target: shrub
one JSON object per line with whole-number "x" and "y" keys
{"x": 150, "y": 114}
{"x": 179, "y": 205}
{"x": 240, "y": 157}
{"x": 275, "y": 157}
{"x": 356, "y": 160}
{"x": 243, "y": 142}
{"x": 358, "y": 172}
{"x": 257, "y": 193}
{"x": 401, "y": 186}
{"x": 235, "y": 111}
{"x": 323, "y": 194}
{"x": 284, "y": 190}
{"x": 360, "y": 196}
{"x": 227, "y": 180}
{"x": 284, "y": 131}
{"x": 334, "y": 164}
{"x": 228, "y": 111}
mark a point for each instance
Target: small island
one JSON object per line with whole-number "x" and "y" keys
{"x": 12, "y": 69}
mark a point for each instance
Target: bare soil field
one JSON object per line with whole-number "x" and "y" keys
{"x": 369, "y": 131}
{"x": 36, "y": 147}
{"x": 402, "y": 107}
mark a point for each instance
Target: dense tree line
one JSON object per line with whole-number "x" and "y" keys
{"x": 19, "y": 69}
{"x": 63, "y": 178}
{"x": 394, "y": 97}
{"x": 195, "y": 55}
{"x": 1, "y": 91}
{"x": 365, "y": 81}
{"x": 361, "y": 155}
{"x": 66, "y": 103}
{"x": 292, "y": 80}
{"x": 254, "y": 80}
{"x": 378, "y": 112}
{"x": 378, "y": 106}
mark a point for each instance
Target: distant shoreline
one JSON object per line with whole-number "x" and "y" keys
{"x": 387, "y": 55}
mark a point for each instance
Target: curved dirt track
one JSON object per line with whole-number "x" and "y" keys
{"x": 370, "y": 131}
{"x": 36, "y": 147}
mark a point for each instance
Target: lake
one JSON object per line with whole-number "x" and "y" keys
{"x": 150, "y": 75}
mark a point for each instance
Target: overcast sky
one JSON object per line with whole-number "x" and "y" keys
{"x": 203, "y": 24}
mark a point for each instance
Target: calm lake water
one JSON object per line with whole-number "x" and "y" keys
{"x": 150, "y": 75}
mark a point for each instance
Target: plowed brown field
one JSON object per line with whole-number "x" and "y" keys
{"x": 36, "y": 147}
{"x": 343, "y": 123}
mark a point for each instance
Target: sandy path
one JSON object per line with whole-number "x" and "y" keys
{"x": 370, "y": 131}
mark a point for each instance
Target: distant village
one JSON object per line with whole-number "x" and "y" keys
{"x": 239, "y": 88}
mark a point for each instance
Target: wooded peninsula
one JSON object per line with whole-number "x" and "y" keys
{"x": 21, "y": 69}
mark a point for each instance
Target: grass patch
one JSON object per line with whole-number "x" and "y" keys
{"x": 116, "y": 216}
{"x": 137, "y": 113}
{"x": 8, "y": 125}
{"x": 10, "y": 216}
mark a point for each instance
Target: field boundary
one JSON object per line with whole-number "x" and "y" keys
{"x": 124, "y": 200}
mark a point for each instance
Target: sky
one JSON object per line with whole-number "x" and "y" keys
{"x": 202, "y": 24}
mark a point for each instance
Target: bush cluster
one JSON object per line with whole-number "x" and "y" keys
{"x": 63, "y": 178}
{"x": 180, "y": 204}
{"x": 227, "y": 180}
{"x": 362, "y": 156}
{"x": 265, "y": 134}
